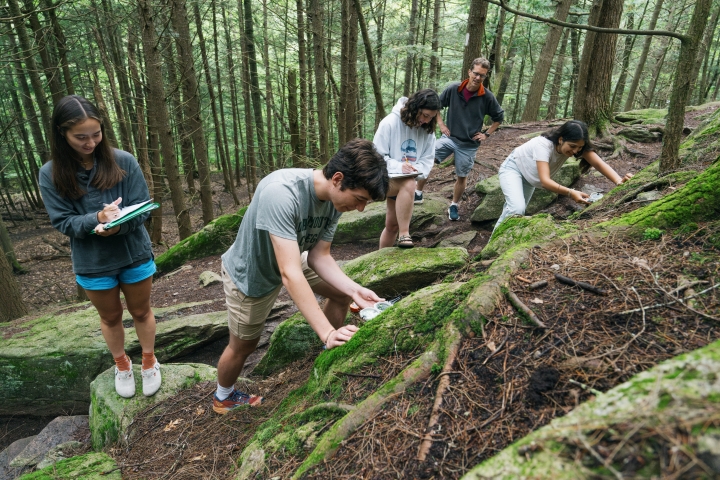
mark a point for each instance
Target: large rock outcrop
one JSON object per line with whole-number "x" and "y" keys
{"x": 366, "y": 226}
{"x": 493, "y": 200}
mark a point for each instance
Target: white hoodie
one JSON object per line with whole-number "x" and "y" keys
{"x": 396, "y": 142}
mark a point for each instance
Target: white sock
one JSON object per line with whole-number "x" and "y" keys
{"x": 453, "y": 203}
{"x": 419, "y": 192}
{"x": 223, "y": 392}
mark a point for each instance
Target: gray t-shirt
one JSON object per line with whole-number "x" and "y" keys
{"x": 538, "y": 149}
{"x": 285, "y": 205}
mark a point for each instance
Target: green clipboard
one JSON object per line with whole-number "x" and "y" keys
{"x": 138, "y": 211}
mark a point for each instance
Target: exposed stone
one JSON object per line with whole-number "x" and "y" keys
{"x": 461, "y": 240}
{"x": 91, "y": 466}
{"x": 640, "y": 134}
{"x": 395, "y": 270}
{"x": 366, "y": 226}
{"x": 208, "y": 278}
{"x": 491, "y": 205}
{"x": 111, "y": 414}
{"x": 6, "y": 456}
{"x": 58, "y": 431}
{"x": 61, "y": 452}
{"x": 590, "y": 189}
{"x": 526, "y": 231}
{"x": 69, "y": 349}
{"x": 648, "y": 197}
{"x": 643, "y": 116}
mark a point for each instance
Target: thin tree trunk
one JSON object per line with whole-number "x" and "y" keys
{"x": 557, "y": 78}
{"x": 6, "y": 247}
{"x": 233, "y": 94}
{"x": 293, "y": 118}
{"x": 377, "y": 91}
{"x": 434, "y": 59}
{"x": 223, "y": 140}
{"x": 26, "y": 142}
{"x": 475, "y": 34}
{"x": 102, "y": 107}
{"x": 682, "y": 83}
{"x": 542, "y": 68}
{"x": 61, "y": 46}
{"x": 10, "y": 297}
{"x": 704, "y": 48}
{"x": 518, "y": 91}
{"x": 410, "y": 55}
{"x": 627, "y": 51}
{"x": 251, "y": 161}
{"x": 50, "y": 70}
{"x": 642, "y": 59}
{"x": 268, "y": 89}
{"x": 315, "y": 16}
{"x": 347, "y": 121}
{"x": 159, "y": 120}
{"x": 191, "y": 94}
{"x": 302, "y": 60}
{"x": 495, "y": 57}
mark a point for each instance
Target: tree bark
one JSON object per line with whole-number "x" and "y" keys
{"x": 251, "y": 161}
{"x": 542, "y": 68}
{"x": 557, "y": 78}
{"x": 642, "y": 59}
{"x": 10, "y": 297}
{"x": 303, "y": 64}
{"x": 315, "y": 16}
{"x": 191, "y": 94}
{"x": 347, "y": 105}
{"x": 622, "y": 79}
{"x": 475, "y": 34}
{"x": 592, "y": 101}
{"x": 495, "y": 57}
{"x": 61, "y": 46}
{"x": 293, "y": 118}
{"x": 702, "y": 58}
{"x": 682, "y": 83}
{"x": 102, "y": 107}
{"x": 6, "y": 247}
{"x": 223, "y": 139}
{"x": 233, "y": 95}
{"x": 377, "y": 91}
{"x": 51, "y": 72}
{"x": 159, "y": 120}
{"x": 410, "y": 55}
{"x": 434, "y": 72}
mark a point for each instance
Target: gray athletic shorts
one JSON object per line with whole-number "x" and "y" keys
{"x": 464, "y": 156}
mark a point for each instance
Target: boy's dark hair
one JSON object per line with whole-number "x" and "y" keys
{"x": 362, "y": 167}
{"x": 571, "y": 131}
{"x": 425, "y": 99}
{"x": 68, "y": 112}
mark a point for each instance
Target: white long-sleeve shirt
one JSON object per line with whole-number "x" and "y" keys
{"x": 398, "y": 143}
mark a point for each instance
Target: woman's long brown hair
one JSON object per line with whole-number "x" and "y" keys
{"x": 70, "y": 111}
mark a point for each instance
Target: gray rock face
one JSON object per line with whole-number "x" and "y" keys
{"x": 648, "y": 197}
{"x": 366, "y": 226}
{"x": 60, "y": 430}
{"x": 640, "y": 134}
{"x": 69, "y": 349}
{"x": 461, "y": 240}
{"x": 110, "y": 414}
{"x": 208, "y": 278}
{"x": 492, "y": 203}
{"x": 6, "y": 456}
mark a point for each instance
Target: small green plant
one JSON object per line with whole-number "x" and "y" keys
{"x": 436, "y": 369}
{"x": 652, "y": 234}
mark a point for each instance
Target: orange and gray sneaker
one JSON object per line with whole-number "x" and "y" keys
{"x": 235, "y": 400}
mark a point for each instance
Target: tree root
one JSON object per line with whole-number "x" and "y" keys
{"x": 442, "y": 386}
{"x": 524, "y": 310}
{"x": 331, "y": 441}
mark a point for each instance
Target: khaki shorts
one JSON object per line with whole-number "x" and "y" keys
{"x": 247, "y": 315}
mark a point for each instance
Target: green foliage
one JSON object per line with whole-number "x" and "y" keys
{"x": 652, "y": 234}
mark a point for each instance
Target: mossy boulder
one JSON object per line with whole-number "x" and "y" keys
{"x": 111, "y": 414}
{"x": 213, "y": 239}
{"x": 391, "y": 271}
{"x": 644, "y": 116}
{"x": 48, "y": 362}
{"x": 703, "y": 144}
{"x": 366, "y": 226}
{"x": 292, "y": 340}
{"x": 517, "y": 232}
{"x": 683, "y": 391}
{"x": 641, "y": 134}
{"x": 491, "y": 205}
{"x": 91, "y": 466}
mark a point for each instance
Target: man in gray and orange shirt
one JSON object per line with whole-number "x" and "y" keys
{"x": 467, "y": 102}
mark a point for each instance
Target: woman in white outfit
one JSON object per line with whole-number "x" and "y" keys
{"x": 406, "y": 138}
{"x": 532, "y": 165}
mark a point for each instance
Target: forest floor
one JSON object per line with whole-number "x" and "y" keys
{"x": 505, "y": 385}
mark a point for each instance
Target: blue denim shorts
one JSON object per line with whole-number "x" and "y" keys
{"x": 130, "y": 275}
{"x": 464, "y": 156}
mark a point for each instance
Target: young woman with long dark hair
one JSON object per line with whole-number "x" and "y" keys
{"x": 82, "y": 187}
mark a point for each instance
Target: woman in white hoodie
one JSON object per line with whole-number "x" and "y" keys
{"x": 406, "y": 138}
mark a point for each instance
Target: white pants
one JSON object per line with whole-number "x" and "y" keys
{"x": 516, "y": 189}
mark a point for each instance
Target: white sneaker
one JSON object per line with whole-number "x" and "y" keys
{"x": 151, "y": 379}
{"x": 125, "y": 382}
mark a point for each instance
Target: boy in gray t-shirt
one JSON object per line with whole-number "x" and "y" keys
{"x": 284, "y": 240}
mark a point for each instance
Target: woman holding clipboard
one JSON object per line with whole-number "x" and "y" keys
{"x": 406, "y": 138}
{"x": 82, "y": 187}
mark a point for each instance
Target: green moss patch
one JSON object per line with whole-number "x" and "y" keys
{"x": 524, "y": 231}
{"x": 91, "y": 466}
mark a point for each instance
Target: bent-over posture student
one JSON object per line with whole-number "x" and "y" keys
{"x": 284, "y": 240}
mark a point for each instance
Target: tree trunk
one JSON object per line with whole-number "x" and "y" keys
{"x": 302, "y": 61}
{"x": 251, "y": 161}
{"x": 31, "y": 67}
{"x": 474, "y": 35}
{"x": 61, "y": 46}
{"x": 233, "y": 94}
{"x": 255, "y": 84}
{"x": 702, "y": 58}
{"x": 10, "y": 297}
{"x": 181, "y": 25}
{"x": 315, "y": 16}
{"x": 410, "y": 56}
{"x": 682, "y": 83}
{"x": 159, "y": 120}
{"x": 622, "y": 79}
{"x": 377, "y": 91}
{"x": 495, "y": 57}
{"x": 347, "y": 115}
{"x": 223, "y": 140}
{"x": 102, "y": 107}
{"x": 293, "y": 118}
{"x": 50, "y": 70}
{"x": 434, "y": 58}
{"x": 518, "y": 91}
{"x": 592, "y": 101}
{"x": 268, "y": 90}
{"x": 542, "y": 68}
{"x": 557, "y": 78}
{"x": 642, "y": 59}
{"x": 6, "y": 247}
